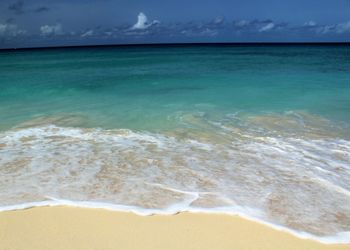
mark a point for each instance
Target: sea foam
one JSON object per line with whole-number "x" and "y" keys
{"x": 293, "y": 183}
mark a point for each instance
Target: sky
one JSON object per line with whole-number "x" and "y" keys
{"x": 43, "y": 23}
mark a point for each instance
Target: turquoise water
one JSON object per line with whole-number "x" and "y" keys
{"x": 260, "y": 131}
{"x": 140, "y": 88}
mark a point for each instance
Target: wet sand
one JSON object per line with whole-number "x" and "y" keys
{"x": 58, "y": 228}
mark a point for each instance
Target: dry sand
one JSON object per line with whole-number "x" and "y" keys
{"x": 66, "y": 228}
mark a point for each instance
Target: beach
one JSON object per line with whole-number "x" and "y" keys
{"x": 67, "y": 228}
{"x": 262, "y": 132}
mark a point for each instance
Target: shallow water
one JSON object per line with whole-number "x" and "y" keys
{"x": 258, "y": 131}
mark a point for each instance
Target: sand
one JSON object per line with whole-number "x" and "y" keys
{"x": 57, "y": 228}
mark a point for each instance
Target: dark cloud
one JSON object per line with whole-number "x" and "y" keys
{"x": 41, "y": 9}
{"x": 17, "y": 7}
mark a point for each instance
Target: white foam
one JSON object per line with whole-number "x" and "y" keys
{"x": 299, "y": 185}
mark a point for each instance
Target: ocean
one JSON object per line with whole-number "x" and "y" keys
{"x": 260, "y": 131}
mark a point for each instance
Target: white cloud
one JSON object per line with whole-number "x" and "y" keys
{"x": 339, "y": 28}
{"x": 10, "y": 30}
{"x": 142, "y": 22}
{"x": 242, "y": 23}
{"x": 3, "y": 29}
{"x": 343, "y": 27}
{"x": 267, "y": 27}
{"x": 325, "y": 29}
{"x": 206, "y": 32}
{"x": 310, "y": 24}
{"x": 209, "y": 32}
{"x": 49, "y": 30}
{"x": 219, "y": 20}
{"x": 87, "y": 33}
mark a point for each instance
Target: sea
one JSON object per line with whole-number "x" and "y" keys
{"x": 258, "y": 131}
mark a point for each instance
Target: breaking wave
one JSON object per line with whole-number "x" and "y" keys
{"x": 290, "y": 171}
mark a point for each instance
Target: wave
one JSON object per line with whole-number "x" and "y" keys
{"x": 295, "y": 183}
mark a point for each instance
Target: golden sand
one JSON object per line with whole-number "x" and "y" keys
{"x": 65, "y": 228}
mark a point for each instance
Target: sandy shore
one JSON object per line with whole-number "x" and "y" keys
{"x": 67, "y": 228}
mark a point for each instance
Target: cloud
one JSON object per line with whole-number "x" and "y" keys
{"x": 216, "y": 29}
{"x": 340, "y": 28}
{"x": 17, "y": 7}
{"x": 206, "y": 32}
{"x": 216, "y": 23}
{"x": 50, "y": 30}
{"x": 310, "y": 24}
{"x": 199, "y": 29}
{"x": 219, "y": 20}
{"x": 267, "y": 27}
{"x": 343, "y": 27}
{"x": 3, "y": 29}
{"x": 87, "y": 33}
{"x": 241, "y": 23}
{"x": 258, "y": 26}
{"x": 324, "y": 29}
{"x": 41, "y": 9}
{"x": 142, "y": 22}
{"x": 10, "y": 30}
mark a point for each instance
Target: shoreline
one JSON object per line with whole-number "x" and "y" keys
{"x": 65, "y": 227}
{"x": 342, "y": 238}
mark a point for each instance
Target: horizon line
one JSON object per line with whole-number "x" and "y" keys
{"x": 184, "y": 44}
